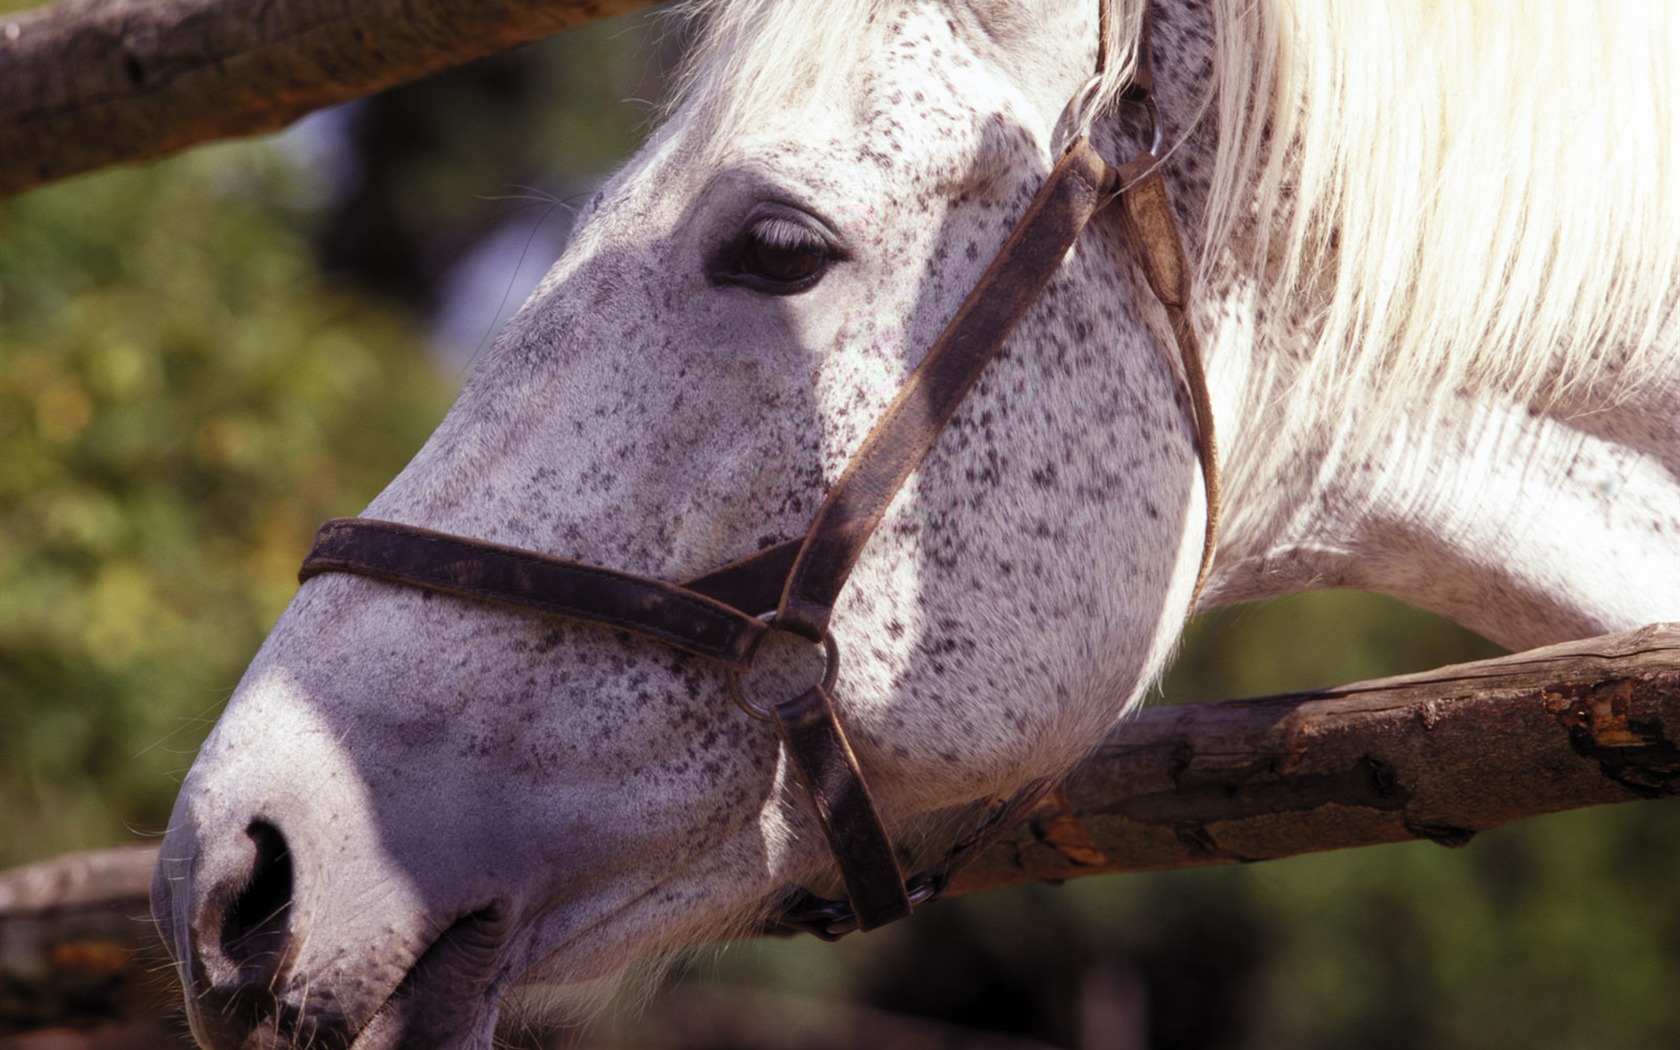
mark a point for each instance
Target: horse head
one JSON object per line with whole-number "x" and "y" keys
{"x": 415, "y": 802}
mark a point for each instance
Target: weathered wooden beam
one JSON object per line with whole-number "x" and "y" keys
{"x": 89, "y": 83}
{"x": 1438, "y": 756}
{"x": 77, "y": 945}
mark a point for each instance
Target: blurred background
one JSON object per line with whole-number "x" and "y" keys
{"x": 201, "y": 359}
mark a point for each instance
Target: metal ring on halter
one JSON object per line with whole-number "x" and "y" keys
{"x": 831, "y": 670}
{"x": 833, "y": 919}
{"x": 1079, "y": 114}
{"x": 1156, "y": 133}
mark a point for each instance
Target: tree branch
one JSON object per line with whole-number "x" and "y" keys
{"x": 1439, "y": 756}
{"x": 87, "y": 83}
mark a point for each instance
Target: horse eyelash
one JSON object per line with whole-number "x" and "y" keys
{"x": 777, "y": 232}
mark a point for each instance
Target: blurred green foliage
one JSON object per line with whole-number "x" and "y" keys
{"x": 435, "y": 162}
{"x": 183, "y": 399}
{"x": 185, "y": 395}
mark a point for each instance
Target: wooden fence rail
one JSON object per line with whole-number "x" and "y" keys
{"x": 89, "y": 83}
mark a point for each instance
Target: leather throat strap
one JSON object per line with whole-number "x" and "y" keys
{"x": 719, "y": 614}
{"x": 1152, "y": 231}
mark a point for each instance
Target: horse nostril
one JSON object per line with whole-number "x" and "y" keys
{"x": 257, "y": 924}
{"x": 240, "y": 944}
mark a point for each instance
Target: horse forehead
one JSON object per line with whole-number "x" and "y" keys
{"x": 934, "y": 80}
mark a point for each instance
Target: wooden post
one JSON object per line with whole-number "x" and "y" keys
{"x": 77, "y": 944}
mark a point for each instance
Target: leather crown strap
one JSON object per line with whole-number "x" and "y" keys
{"x": 725, "y": 614}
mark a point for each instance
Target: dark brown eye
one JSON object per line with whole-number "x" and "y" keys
{"x": 779, "y": 256}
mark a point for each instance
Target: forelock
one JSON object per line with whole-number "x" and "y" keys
{"x": 752, "y": 57}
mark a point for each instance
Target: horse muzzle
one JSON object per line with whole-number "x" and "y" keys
{"x": 302, "y": 912}
{"x": 262, "y": 969}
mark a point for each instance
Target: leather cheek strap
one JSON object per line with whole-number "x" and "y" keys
{"x": 1080, "y": 184}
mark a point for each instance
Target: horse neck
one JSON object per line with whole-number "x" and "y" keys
{"x": 1530, "y": 523}
{"x": 1529, "y": 520}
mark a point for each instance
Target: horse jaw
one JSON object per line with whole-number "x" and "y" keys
{"x": 467, "y": 799}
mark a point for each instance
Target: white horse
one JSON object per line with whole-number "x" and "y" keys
{"x": 1437, "y": 249}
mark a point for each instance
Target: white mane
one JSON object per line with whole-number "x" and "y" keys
{"x": 752, "y": 55}
{"x": 1466, "y": 195}
{"x": 1469, "y": 195}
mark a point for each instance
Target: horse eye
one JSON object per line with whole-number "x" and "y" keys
{"x": 779, "y": 256}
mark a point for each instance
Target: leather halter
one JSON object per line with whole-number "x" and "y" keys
{"x": 725, "y": 614}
